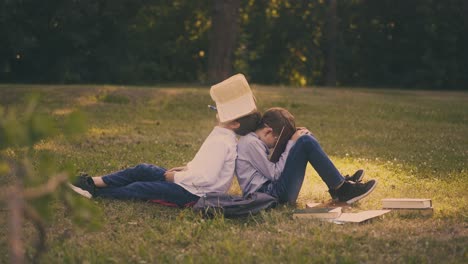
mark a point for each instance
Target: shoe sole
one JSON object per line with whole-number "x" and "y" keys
{"x": 357, "y": 198}
{"x": 80, "y": 191}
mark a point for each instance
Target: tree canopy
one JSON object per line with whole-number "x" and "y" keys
{"x": 390, "y": 43}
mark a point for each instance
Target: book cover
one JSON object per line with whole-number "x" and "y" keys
{"x": 312, "y": 204}
{"x": 283, "y": 138}
{"x": 359, "y": 217}
{"x": 401, "y": 203}
{"x": 233, "y": 98}
{"x": 320, "y": 212}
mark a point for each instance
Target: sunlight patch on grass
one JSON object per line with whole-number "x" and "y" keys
{"x": 87, "y": 100}
{"x": 394, "y": 181}
{"x": 62, "y": 111}
{"x": 149, "y": 122}
{"x": 97, "y": 132}
{"x": 235, "y": 188}
{"x": 49, "y": 145}
{"x": 174, "y": 92}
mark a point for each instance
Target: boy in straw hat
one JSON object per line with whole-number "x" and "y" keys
{"x": 211, "y": 170}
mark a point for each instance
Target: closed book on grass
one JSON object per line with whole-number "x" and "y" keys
{"x": 424, "y": 212}
{"x": 320, "y": 213}
{"x": 403, "y": 203}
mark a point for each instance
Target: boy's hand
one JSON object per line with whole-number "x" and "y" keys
{"x": 169, "y": 176}
{"x": 300, "y": 132}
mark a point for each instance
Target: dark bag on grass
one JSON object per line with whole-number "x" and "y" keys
{"x": 232, "y": 205}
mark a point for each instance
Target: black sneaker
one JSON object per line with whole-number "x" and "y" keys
{"x": 351, "y": 192}
{"x": 84, "y": 185}
{"x": 357, "y": 176}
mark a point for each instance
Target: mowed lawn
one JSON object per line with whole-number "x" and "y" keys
{"x": 415, "y": 143}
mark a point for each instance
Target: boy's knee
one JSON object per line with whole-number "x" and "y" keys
{"x": 142, "y": 167}
{"x": 145, "y": 167}
{"x": 308, "y": 140}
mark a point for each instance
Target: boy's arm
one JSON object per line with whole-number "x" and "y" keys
{"x": 255, "y": 153}
{"x": 200, "y": 172}
{"x": 182, "y": 168}
{"x": 169, "y": 174}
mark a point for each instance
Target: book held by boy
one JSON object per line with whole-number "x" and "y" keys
{"x": 285, "y": 135}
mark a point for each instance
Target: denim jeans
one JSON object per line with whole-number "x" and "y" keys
{"x": 145, "y": 182}
{"x": 306, "y": 149}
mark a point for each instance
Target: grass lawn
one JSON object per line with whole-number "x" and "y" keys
{"x": 415, "y": 143}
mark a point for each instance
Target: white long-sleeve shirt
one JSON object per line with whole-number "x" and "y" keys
{"x": 212, "y": 168}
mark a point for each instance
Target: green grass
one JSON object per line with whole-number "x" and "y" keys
{"x": 414, "y": 142}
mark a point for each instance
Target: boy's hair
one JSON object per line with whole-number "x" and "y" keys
{"x": 248, "y": 123}
{"x": 278, "y": 118}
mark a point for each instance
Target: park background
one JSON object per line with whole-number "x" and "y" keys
{"x": 406, "y": 44}
{"x": 97, "y": 86}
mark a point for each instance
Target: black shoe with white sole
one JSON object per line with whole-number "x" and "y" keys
{"x": 357, "y": 177}
{"x": 84, "y": 185}
{"x": 351, "y": 192}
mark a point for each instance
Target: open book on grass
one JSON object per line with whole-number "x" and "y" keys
{"x": 359, "y": 217}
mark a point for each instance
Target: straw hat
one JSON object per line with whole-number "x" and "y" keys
{"x": 233, "y": 98}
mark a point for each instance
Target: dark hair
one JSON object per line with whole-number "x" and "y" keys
{"x": 248, "y": 123}
{"x": 278, "y": 118}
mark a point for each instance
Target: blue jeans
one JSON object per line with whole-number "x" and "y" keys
{"x": 306, "y": 149}
{"x": 145, "y": 182}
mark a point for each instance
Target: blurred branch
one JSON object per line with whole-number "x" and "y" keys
{"x": 15, "y": 196}
{"x": 35, "y": 218}
{"x": 46, "y": 188}
{"x": 35, "y": 192}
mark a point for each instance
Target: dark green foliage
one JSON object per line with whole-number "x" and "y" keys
{"x": 23, "y": 159}
{"x": 404, "y": 43}
{"x": 24, "y": 132}
{"x": 392, "y": 43}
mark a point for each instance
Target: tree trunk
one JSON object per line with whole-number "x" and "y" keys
{"x": 330, "y": 42}
{"x": 224, "y": 30}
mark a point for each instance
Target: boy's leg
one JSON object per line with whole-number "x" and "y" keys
{"x": 155, "y": 190}
{"x": 140, "y": 173}
{"x": 306, "y": 149}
